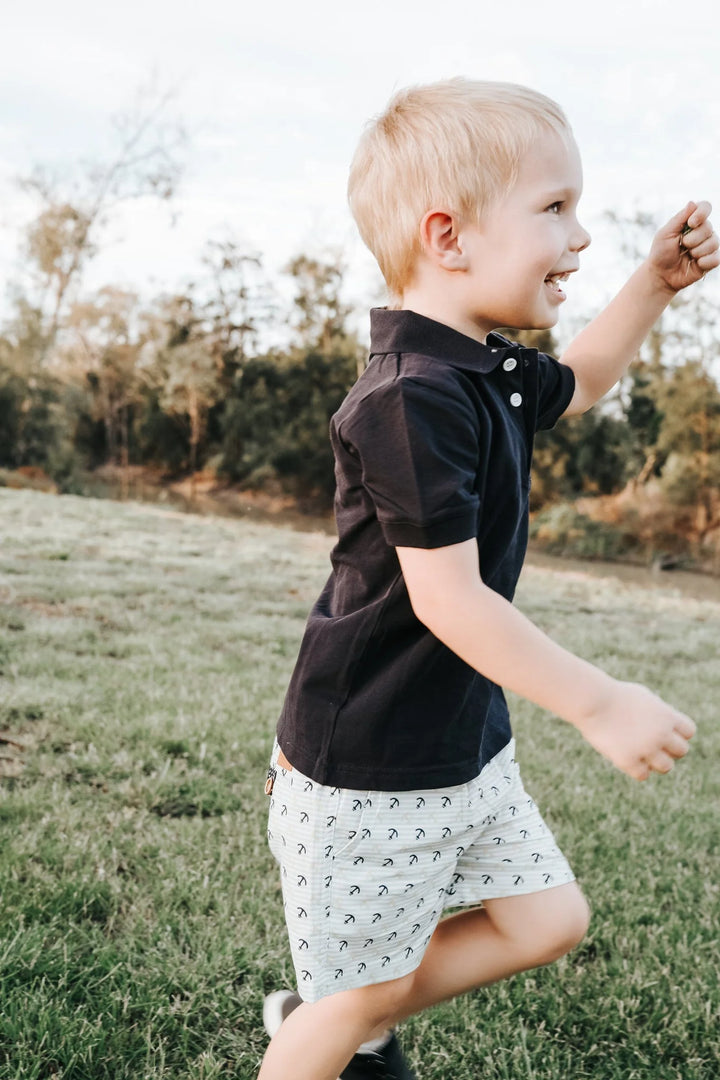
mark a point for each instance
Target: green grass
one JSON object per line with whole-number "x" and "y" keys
{"x": 143, "y": 659}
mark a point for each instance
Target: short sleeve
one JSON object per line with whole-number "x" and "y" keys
{"x": 556, "y": 386}
{"x": 418, "y": 445}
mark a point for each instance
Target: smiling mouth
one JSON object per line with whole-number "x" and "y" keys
{"x": 553, "y": 281}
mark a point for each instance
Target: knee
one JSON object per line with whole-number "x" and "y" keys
{"x": 567, "y": 924}
{"x": 382, "y": 1003}
{"x": 547, "y": 925}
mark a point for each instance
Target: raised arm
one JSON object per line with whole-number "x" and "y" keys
{"x": 625, "y": 722}
{"x": 602, "y": 352}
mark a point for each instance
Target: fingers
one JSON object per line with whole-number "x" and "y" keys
{"x": 691, "y": 217}
{"x": 661, "y": 762}
{"x": 697, "y": 236}
{"x": 677, "y": 223}
{"x": 708, "y": 259}
{"x": 700, "y": 214}
{"x": 672, "y": 746}
{"x": 685, "y": 726}
{"x": 676, "y": 746}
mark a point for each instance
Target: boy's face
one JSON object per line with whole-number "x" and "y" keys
{"x": 526, "y": 243}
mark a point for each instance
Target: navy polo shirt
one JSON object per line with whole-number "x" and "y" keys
{"x": 432, "y": 447}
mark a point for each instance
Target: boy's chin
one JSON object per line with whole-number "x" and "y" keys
{"x": 541, "y": 323}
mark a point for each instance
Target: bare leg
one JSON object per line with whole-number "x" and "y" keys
{"x": 468, "y": 950}
{"x": 483, "y": 945}
{"x": 317, "y": 1041}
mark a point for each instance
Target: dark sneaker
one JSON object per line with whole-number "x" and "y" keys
{"x": 385, "y": 1064}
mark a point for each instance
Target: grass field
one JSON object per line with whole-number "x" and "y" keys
{"x": 143, "y": 660}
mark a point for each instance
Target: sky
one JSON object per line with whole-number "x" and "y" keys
{"x": 274, "y": 95}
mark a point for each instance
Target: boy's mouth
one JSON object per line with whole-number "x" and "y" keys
{"x": 553, "y": 282}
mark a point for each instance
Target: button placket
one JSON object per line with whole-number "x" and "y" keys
{"x": 509, "y": 365}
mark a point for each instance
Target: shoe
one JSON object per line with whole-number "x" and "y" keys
{"x": 277, "y": 1007}
{"x": 385, "y": 1064}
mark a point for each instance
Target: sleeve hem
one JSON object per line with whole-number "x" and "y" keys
{"x": 550, "y": 417}
{"x": 436, "y": 534}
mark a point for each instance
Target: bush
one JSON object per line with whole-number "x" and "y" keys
{"x": 276, "y": 423}
{"x": 563, "y": 530}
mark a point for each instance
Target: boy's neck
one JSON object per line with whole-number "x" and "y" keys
{"x": 438, "y": 308}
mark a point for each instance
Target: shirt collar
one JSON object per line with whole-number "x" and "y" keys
{"x": 407, "y": 332}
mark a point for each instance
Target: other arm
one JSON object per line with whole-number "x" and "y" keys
{"x": 603, "y": 351}
{"x": 625, "y": 722}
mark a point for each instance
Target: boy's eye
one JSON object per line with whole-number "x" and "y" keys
{"x": 555, "y": 208}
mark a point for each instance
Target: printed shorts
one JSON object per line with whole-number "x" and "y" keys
{"x": 366, "y": 875}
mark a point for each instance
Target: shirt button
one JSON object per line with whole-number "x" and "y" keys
{"x": 516, "y": 399}
{"x": 510, "y": 364}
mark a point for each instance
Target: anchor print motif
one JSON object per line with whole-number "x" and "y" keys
{"x": 333, "y": 844}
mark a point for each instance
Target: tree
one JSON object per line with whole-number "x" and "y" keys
{"x": 239, "y": 305}
{"x": 103, "y": 356}
{"x": 275, "y": 419}
{"x": 319, "y": 313}
{"x": 64, "y": 236}
{"x": 689, "y": 443}
{"x": 183, "y": 366}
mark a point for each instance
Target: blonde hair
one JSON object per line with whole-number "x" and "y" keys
{"x": 455, "y": 144}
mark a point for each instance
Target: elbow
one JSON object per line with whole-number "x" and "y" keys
{"x": 585, "y": 394}
{"x": 428, "y": 606}
{"x": 442, "y": 610}
{"x": 582, "y": 400}
{"x": 423, "y": 608}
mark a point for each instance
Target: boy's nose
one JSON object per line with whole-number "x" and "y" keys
{"x": 581, "y": 239}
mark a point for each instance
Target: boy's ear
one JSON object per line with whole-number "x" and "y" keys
{"x": 441, "y": 241}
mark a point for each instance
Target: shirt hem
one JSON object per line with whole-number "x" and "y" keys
{"x": 378, "y": 778}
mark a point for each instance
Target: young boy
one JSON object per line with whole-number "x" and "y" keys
{"x": 394, "y": 787}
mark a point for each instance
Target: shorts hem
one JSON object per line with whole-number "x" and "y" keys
{"x": 357, "y": 982}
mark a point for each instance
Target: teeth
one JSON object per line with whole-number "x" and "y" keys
{"x": 555, "y": 278}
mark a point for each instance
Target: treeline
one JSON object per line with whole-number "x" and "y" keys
{"x": 187, "y": 382}
{"x": 180, "y": 385}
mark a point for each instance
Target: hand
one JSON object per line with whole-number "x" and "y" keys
{"x": 686, "y": 248}
{"x": 638, "y": 731}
